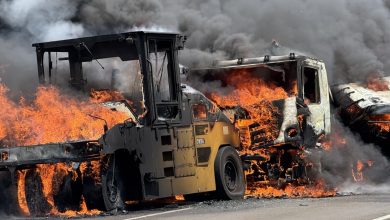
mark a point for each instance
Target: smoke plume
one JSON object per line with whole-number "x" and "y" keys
{"x": 339, "y": 163}
{"x": 352, "y": 37}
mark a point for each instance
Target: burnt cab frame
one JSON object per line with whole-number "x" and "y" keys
{"x": 127, "y": 46}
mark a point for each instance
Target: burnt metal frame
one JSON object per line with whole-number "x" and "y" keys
{"x": 24, "y": 156}
{"x": 127, "y": 46}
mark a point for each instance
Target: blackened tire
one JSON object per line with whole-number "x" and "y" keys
{"x": 36, "y": 201}
{"x": 68, "y": 196}
{"x": 112, "y": 186}
{"x": 92, "y": 190}
{"x": 8, "y": 194}
{"x": 229, "y": 174}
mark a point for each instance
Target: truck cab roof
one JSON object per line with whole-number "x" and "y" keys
{"x": 256, "y": 61}
{"x": 96, "y": 39}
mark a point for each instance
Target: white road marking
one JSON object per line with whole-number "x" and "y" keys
{"x": 383, "y": 217}
{"x": 160, "y": 213}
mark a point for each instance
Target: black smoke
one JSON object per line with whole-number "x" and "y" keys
{"x": 352, "y": 37}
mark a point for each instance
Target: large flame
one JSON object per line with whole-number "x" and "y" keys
{"x": 51, "y": 176}
{"x": 22, "y": 194}
{"x": 55, "y": 117}
{"x": 52, "y": 117}
{"x": 255, "y": 95}
{"x": 316, "y": 190}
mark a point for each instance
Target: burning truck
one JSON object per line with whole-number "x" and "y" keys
{"x": 281, "y": 107}
{"x": 170, "y": 139}
{"x": 365, "y": 108}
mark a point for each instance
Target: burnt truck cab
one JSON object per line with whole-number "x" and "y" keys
{"x": 273, "y": 148}
{"x": 176, "y": 141}
{"x": 303, "y": 116}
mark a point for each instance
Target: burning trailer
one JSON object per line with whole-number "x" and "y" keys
{"x": 365, "y": 108}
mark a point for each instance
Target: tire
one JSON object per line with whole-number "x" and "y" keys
{"x": 68, "y": 196}
{"x": 36, "y": 202}
{"x": 92, "y": 191}
{"x": 112, "y": 187}
{"x": 9, "y": 194}
{"x": 229, "y": 174}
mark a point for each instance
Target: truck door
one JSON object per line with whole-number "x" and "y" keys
{"x": 314, "y": 90}
{"x": 184, "y": 155}
{"x": 167, "y": 99}
{"x": 203, "y": 140}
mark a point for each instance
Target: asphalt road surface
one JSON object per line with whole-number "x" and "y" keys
{"x": 356, "y": 207}
{"x": 364, "y": 207}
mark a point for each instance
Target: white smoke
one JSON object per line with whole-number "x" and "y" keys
{"x": 349, "y": 188}
{"x": 153, "y": 28}
{"x": 46, "y": 20}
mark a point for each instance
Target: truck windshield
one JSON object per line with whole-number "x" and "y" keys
{"x": 280, "y": 76}
{"x": 164, "y": 90}
{"x": 160, "y": 58}
{"x": 121, "y": 76}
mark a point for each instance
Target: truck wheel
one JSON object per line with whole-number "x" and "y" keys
{"x": 229, "y": 174}
{"x": 112, "y": 186}
{"x": 92, "y": 190}
{"x": 9, "y": 194}
{"x": 36, "y": 202}
{"x": 68, "y": 196}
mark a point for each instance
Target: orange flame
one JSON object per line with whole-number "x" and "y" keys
{"x": 336, "y": 140}
{"x": 256, "y": 96}
{"x": 54, "y": 117}
{"x": 357, "y": 171}
{"x": 382, "y": 122}
{"x": 315, "y": 191}
{"x": 92, "y": 171}
{"x": 51, "y": 176}
{"x": 179, "y": 198}
{"x": 99, "y": 96}
{"x": 21, "y": 193}
{"x": 376, "y": 83}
